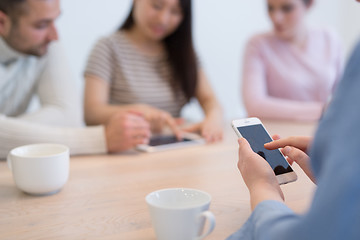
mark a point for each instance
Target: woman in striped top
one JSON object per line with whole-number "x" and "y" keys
{"x": 149, "y": 67}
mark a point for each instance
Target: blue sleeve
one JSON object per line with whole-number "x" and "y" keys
{"x": 264, "y": 218}
{"x": 335, "y": 210}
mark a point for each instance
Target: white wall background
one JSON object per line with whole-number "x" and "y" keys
{"x": 221, "y": 30}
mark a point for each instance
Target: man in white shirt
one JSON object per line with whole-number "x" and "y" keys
{"x": 31, "y": 64}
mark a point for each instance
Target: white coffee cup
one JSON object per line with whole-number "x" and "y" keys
{"x": 180, "y": 213}
{"x": 39, "y": 169}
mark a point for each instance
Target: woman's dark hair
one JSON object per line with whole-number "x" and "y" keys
{"x": 180, "y": 50}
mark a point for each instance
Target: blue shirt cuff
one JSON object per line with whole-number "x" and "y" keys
{"x": 263, "y": 215}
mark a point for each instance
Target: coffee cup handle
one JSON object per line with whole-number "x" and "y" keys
{"x": 211, "y": 218}
{"x": 8, "y": 160}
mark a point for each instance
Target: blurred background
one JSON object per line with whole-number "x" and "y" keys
{"x": 221, "y": 30}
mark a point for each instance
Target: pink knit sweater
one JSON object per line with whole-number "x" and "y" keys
{"x": 282, "y": 81}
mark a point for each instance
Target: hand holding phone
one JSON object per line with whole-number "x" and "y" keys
{"x": 254, "y": 132}
{"x": 295, "y": 148}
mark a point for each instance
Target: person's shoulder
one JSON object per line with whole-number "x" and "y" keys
{"x": 114, "y": 41}
{"x": 55, "y": 51}
{"x": 105, "y": 40}
{"x": 322, "y": 31}
{"x": 55, "y": 46}
{"x": 261, "y": 39}
{"x": 327, "y": 34}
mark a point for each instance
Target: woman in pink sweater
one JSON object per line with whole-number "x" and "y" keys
{"x": 290, "y": 73}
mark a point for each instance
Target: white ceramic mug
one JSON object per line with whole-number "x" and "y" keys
{"x": 39, "y": 169}
{"x": 180, "y": 213}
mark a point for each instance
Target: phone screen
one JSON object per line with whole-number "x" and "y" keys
{"x": 162, "y": 140}
{"x": 257, "y": 136}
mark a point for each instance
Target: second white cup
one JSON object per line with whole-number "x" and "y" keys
{"x": 179, "y": 214}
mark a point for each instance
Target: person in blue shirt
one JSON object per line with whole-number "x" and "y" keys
{"x": 333, "y": 163}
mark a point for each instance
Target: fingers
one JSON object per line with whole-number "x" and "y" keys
{"x": 195, "y": 128}
{"x": 215, "y": 137}
{"x": 219, "y": 137}
{"x": 159, "y": 118}
{"x": 280, "y": 143}
{"x": 256, "y": 172}
{"x": 301, "y": 158}
{"x": 210, "y": 132}
{"x": 290, "y": 161}
{"x": 133, "y": 137}
{"x": 295, "y": 153}
{"x": 276, "y": 137}
{"x": 137, "y": 140}
{"x": 212, "y": 136}
{"x": 138, "y": 129}
{"x": 170, "y": 121}
{"x": 130, "y": 119}
{"x": 207, "y": 136}
{"x": 136, "y": 124}
{"x": 125, "y": 131}
{"x": 301, "y": 143}
{"x": 243, "y": 142}
{"x": 139, "y": 133}
{"x": 179, "y": 121}
{"x": 244, "y": 147}
{"x": 137, "y": 121}
{"x": 136, "y": 113}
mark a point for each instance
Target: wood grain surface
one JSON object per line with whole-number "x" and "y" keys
{"x": 104, "y": 197}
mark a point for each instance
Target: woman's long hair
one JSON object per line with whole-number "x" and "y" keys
{"x": 180, "y": 50}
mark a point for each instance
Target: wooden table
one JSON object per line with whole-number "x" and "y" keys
{"x": 104, "y": 197}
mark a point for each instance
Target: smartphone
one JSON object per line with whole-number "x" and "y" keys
{"x": 167, "y": 142}
{"x": 164, "y": 140}
{"x": 255, "y": 133}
